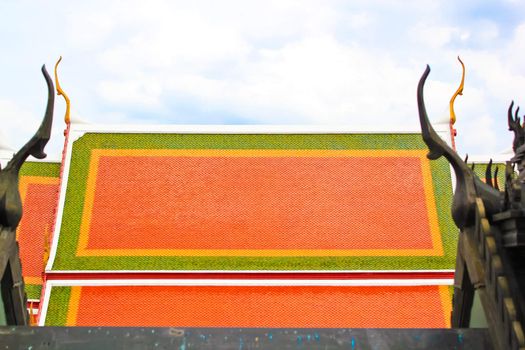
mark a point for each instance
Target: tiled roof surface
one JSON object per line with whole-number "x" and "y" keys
{"x": 255, "y": 202}
{"x": 39, "y": 193}
{"x": 251, "y": 306}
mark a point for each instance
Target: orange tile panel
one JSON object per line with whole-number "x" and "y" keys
{"x": 39, "y": 196}
{"x": 262, "y": 202}
{"x": 260, "y": 306}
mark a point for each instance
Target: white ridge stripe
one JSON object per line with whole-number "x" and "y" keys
{"x": 246, "y": 282}
{"x": 258, "y": 129}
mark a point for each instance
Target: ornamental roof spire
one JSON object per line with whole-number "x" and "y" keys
{"x": 459, "y": 91}
{"x": 61, "y": 92}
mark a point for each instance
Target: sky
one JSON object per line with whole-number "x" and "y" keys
{"x": 298, "y": 62}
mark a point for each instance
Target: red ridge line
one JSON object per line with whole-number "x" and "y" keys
{"x": 54, "y": 275}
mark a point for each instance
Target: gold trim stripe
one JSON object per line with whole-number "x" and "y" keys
{"x": 446, "y": 304}
{"x": 74, "y": 301}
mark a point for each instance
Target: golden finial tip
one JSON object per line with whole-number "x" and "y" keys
{"x": 61, "y": 92}
{"x": 56, "y": 66}
{"x": 459, "y": 91}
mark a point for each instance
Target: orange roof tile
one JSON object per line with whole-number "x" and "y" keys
{"x": 39, "y": 195}
{"x": 258, "y": 306}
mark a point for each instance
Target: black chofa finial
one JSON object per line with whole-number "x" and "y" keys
{"x": 468, "y": 185}
{"x": 10, "y": 203}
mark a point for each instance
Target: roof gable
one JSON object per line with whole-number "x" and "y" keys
{"x": 168, "y": 201}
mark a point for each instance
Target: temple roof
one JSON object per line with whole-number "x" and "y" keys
{"x": 141, "y": 207}
{"x": 252, "y": 198}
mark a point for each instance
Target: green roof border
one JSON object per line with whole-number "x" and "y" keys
{"x": 58, "y": 306}
{"x": 33, "y": 291}
{"x": 46, "y": 169}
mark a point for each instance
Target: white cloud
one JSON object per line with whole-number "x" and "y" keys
{"x": 359, "y": 20}
{"x": 435, "y": 36}
{"x": 89, "y": 30}
{"x": 15, "y": 119}
{"x": 144, "y": 93}
{"x": 314, "y": 80}
{"x": 19, "y": 125}
{"x": 282, "y": 61}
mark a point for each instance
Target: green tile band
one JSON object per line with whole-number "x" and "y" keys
{"x": 58, "y": 306}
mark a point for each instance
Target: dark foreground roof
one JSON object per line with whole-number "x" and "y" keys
{"x": 241, "y": 338}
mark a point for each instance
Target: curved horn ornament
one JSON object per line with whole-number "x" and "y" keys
{"x": 10, "y": 202}
{"x": 468, "y": 185}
